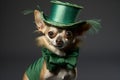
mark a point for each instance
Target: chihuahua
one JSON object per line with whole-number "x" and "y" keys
{"x": 58, "y": 41}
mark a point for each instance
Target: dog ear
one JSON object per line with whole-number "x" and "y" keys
{"x": 39, "y": 22}
{"x": 82, "y": 28}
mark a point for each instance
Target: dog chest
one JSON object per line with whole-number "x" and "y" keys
{"x": 60, "y": 75}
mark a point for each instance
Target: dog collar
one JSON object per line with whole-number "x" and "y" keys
{"x": 54, "y": 61}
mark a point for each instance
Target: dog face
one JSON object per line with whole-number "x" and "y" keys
{"x": 59, "y": 37}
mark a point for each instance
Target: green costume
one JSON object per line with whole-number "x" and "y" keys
{"x": 33, "y": 72}
{"x": 53, "y": 62}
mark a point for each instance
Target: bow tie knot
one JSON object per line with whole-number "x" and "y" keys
{"x": 61, "y": 61}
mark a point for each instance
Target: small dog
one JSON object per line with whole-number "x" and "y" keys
{"x": 59, "y": 41}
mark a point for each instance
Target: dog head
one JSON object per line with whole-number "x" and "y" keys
{"x": 59, "y": 37}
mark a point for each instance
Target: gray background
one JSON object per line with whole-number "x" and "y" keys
{"x": 99, "y": 57}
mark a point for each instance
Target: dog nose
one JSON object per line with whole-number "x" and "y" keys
{"x": 59, "y": 42}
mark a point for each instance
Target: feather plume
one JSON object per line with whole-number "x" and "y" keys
{"x": 96, "y": 26}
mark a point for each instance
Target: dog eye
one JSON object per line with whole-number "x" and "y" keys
{"x": 68, "y": 34}
{"x": 51, "y": 34}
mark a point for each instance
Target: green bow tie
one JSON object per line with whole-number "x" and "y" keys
{"x": 54, "y": 61}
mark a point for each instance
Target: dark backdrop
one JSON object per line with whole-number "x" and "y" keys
{"x": 99, "y": 57}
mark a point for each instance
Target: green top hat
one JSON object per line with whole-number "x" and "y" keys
{"x": 62, "y": 14}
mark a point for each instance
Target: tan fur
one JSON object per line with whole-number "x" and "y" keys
{"x": 25, "y": 77}
{"x": 42, "y": 74}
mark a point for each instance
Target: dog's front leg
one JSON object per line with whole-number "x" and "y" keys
{"x": 25, "y": 77}
{"x": 43, "y": 42}
{"x": 55, "y": 50}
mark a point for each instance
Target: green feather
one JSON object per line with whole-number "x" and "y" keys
{"x": 38, "y": 7}
{"x": 29, "y": 11}
{"x": 96, "y": 26}
{"x": 26, "y": 12}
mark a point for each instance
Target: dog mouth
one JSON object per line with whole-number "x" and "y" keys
{"x": 59, "y": 46}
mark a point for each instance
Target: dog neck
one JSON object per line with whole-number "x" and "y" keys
{"x": 54, "y": 61}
